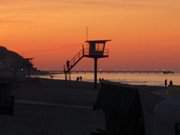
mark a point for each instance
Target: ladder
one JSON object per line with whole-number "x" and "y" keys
{"x": 70, "y": 64}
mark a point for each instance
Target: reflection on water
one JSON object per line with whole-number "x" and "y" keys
{"x": 130, "y": 78}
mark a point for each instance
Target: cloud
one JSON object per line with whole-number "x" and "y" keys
{"x": 117, "y": 3}
{"x": 34, "y": 4}
{"x": 106, "y": 3}
{"x": 21, "y": 11}
{"x": 13, "y": 20}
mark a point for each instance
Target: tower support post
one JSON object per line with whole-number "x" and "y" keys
{"x": 95, "y": 72}
{"x": 65, "y": 76}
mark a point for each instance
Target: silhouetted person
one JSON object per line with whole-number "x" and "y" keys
{"x": 80, "y": 78}
{"x": 165, "y": 82}
{"x": 77, "y": 79}
{"x": 101, "y": 80}
{"x": 170, "y": 83}
{"x": 68, "y": 64}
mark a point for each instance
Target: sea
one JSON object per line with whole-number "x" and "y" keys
{"x": 135, "y": 78}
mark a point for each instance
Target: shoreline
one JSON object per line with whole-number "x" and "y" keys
{"x": 149, "y": 79}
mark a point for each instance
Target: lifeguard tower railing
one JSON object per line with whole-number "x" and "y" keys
{"x": 99, "y": 54}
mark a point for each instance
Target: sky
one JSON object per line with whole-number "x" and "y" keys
{"x": 145, "y": 34}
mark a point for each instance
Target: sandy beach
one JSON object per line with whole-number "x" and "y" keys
{"x": 52, "y": 107}
{"x": 56, "y": 107}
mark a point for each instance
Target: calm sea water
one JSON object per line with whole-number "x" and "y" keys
{"x": 129, "y": 78}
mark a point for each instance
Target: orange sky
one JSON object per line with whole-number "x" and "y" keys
{"x": 145, "y": 33}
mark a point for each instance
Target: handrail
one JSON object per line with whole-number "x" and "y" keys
{"x": 105, "y": 53}
{"x": 74, "y": 60}
{"x": 76, "y": 57}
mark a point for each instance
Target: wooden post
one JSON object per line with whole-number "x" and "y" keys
{"x": 69, "y": 75}
{"x": 65, "y": 76}
{"x": 65, "y": 73}
{"x": 95, "y": 72}
{"x": 83, "y": 50}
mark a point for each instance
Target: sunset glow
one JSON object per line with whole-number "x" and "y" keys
{"x": 145, "y": 33}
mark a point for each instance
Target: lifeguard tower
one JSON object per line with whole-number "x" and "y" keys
{"x": 94, "y": 49}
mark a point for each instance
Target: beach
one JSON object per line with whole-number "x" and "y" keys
{"x": 57, "y": 107}
{"x": 52, "y": 107}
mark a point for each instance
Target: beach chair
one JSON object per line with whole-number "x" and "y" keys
{"x": 122, "y": 108}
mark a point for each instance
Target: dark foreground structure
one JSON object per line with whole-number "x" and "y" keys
{"x": 122, "y": 108}
{"x": 6, "y": 98}
{"x": 139, "y": 110}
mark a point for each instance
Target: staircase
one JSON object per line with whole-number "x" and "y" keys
{"x": 72, "y": 63}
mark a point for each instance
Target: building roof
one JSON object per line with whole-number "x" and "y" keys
{"x": 97, "y": 41}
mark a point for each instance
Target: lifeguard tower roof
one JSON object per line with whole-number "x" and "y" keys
{"x": 97, "y": 41}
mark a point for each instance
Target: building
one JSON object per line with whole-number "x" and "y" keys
{"x": 13, "y": 64}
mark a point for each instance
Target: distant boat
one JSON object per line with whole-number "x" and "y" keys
{"x": 168, "y": 72}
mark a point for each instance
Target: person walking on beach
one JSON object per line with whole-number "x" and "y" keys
{"x": 68, "y": 64}
{"x": 77, "y": 79}
{"x": 166, "y": 83}
{"x": 80, "y": 78}
{"x": 170, "y": 83}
